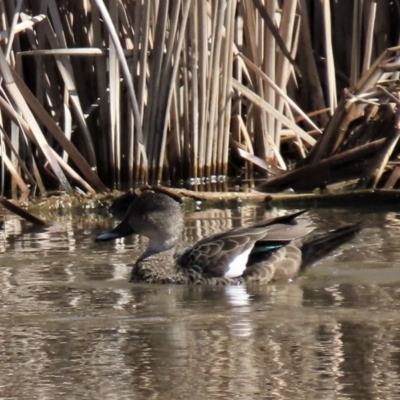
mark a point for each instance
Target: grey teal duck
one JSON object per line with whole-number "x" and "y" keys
{"x": 274, "y": 249}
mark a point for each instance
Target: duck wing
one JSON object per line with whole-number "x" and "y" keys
{"x": 225, "y": 255}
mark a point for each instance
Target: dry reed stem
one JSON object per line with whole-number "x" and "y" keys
{"x": 20, "y": 212}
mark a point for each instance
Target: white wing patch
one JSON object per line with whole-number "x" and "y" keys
{"x": 238, "y": 265}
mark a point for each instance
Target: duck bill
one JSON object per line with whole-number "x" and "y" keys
{"x": 121, "y": 230}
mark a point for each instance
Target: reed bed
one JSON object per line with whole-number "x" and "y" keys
{"x": 101, "y": 94}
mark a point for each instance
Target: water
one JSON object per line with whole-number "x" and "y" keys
{"x": 71, "y": 326}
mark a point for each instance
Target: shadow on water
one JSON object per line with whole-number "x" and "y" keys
{"x": 72, "y": 326}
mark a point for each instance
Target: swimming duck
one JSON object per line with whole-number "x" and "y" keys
{"x": 263, "y": 252}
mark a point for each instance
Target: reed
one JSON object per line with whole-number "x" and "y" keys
{"x": 101, "y": 94}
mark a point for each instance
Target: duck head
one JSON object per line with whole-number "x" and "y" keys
{"x": 154, "y": 215}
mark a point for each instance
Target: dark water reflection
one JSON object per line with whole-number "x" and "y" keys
{"x": 72, "y": 327}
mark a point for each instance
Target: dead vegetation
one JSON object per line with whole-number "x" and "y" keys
{"x": 359, "y": 144}
{"x": 145, "y": 91}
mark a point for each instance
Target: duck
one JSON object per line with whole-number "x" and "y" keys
{"x": 266, "y": 251}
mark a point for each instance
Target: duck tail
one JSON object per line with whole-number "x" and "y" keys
{"x": 319, "y": 246}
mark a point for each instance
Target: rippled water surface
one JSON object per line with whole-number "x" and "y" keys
{"x": 71, "y": 326}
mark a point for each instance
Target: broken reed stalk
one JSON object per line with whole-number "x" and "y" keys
{"x": 347, "y": 165}
{"x": 20, "y": 212}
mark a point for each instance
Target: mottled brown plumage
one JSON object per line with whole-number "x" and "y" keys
{"x": 265, "y": 251}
